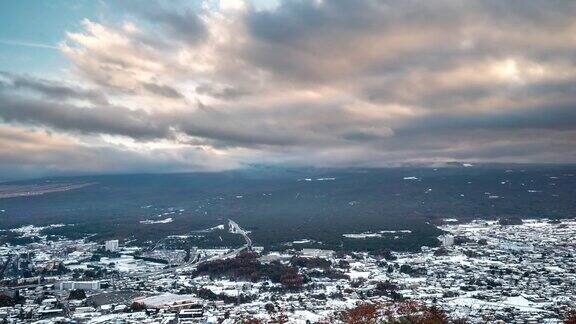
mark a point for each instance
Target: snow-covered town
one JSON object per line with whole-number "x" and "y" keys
{"x": 482, "y": 271}
{"x": 288, "y": 161}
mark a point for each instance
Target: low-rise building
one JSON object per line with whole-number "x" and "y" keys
{"x": 84, "y": 285}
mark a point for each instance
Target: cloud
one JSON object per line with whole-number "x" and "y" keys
{"x": 94, "y": 120}
{"x": 52, "y": 90}
{"x": 179, "y": 21}
{"x": 162, "y": 90}
{"x": 33, "y": 152}
{"x": 221, "y": 91}
{"x": 333, "y": 82}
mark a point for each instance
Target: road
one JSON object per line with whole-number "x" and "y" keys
{"x": 233, "y": 228}
{"x": 236, "y": 229}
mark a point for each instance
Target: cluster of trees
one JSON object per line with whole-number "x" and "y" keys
{"x": 246, "y": 266}
{"x": 137, "y": 307}
{"x": 510, "y": 221}
{"x": 570, "y": 317}
{"x": 19, "y": 240}
{"x": 93, "y": 272}
{"x": 210, "y": 295}
{"x": 102, "y": 252}
{"x": 441, "y": 252}
{"x": 398, "y": 312}
{"x": 9, "y": 301}
{"x": 77, "y": 294}
{"x": 406, "y": 312}
{"x": 384, "y": 253}
{"x": 395, "y": 313}
{"x": 290, "y": 278}
{"x": 386, "y": 288}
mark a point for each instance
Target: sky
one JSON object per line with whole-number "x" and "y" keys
{"x": 208, "y": 85}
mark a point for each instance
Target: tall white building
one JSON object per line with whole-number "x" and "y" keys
{"x": 446, "y": 240}
{"x": 111, "y": 245}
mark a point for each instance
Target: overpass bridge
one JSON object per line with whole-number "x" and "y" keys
{"x": 234, "y": 228}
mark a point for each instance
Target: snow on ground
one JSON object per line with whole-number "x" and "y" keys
{"x": 362, "y": 235}
{"x": 317, "y": 179}
{"x": 399, "y": 231}
{"x": 114, "y": 318}
{"x": 211, "y": 229}
{"x": 304, "y": 241}
{"x": 305, "y": 316}
{"x": 450, "y": 220}
{"x": 31, "y": 230}
{"x": 165, "y": 299}
{"x": 372, "y": 235}
{"x": 517, "y": 302}
{"x": 127, "y": 264}
{"x": 161, "y": 221}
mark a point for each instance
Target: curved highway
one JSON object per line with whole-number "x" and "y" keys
{"x": 233, "y": 228}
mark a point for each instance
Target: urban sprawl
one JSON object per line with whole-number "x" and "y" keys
{"x": 482, "y": 271}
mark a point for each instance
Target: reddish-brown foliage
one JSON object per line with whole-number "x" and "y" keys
{"x": 246, "y": 266}
{"x": 362, "y": 314}
{"x": 570, "y": 318}
{"x": 251, "y": 321}
{"x": 418, "y": 313}
{"x": 395, "y": 312}
{"x": 137, "y": 307}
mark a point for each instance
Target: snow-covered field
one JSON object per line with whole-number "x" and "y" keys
{"x": 160, "y": 221}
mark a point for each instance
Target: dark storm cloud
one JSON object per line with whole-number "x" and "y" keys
{"x": 104, "y": 119}
{"x": 52, "y": 90}
{"x": 163, "y": 90}
{"x": 342, "y": 39}
{"x": 31, "y": 153}
{"x": 222, "y": 92}
{"x": 184, "y": 24}
{"x": 333, "y": 82}
{"x": 560, "y": 117}
{"x": 177, "y": 19}
{"x": 282, "y": 126}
